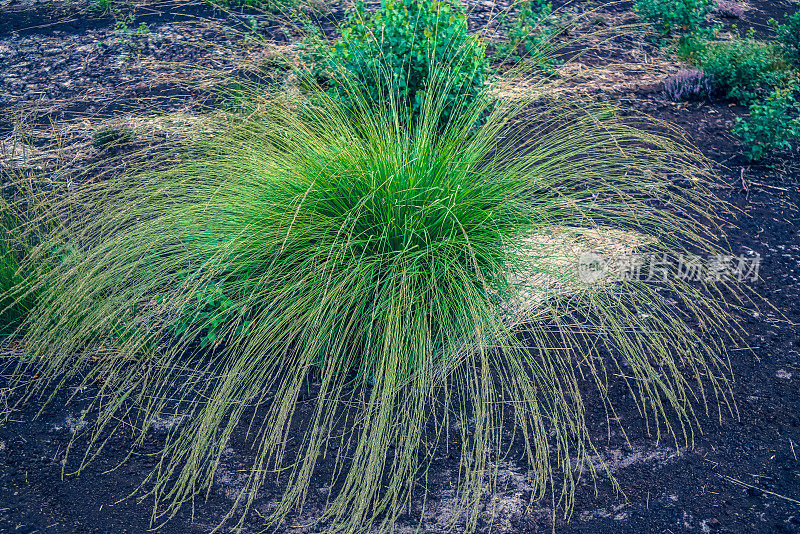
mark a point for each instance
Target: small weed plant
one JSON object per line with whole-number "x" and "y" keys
{"x": 252, "y": 32}
{"x": 316, "y": 53}
{"x": 102, "y": 6}
{"x": 273, "y": 6}
{"x": 677, "y": 17}
{"x": 773, "y": 124}
{"x": 130, "y": 35}
{"x": 529, "y": 32}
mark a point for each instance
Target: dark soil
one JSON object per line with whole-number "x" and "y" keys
{"x": 65, "y": 63}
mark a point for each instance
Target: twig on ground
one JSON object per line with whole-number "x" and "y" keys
{"x": 738, "y": 482}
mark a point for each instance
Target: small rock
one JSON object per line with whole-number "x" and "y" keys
{"x": 753, "y": 492}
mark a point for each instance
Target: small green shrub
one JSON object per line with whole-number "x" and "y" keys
{"x": 129, "y": 34}
{"x": 773, "y": 124}
{"x": 13, "y": 301}
{"x": 530, "y": 32}
{"x": 677, "y": 16}
{"x": 102, "y": 6}
{"x": 317, "y": 54}
{"x": 9, "y": 278}
{"x": 275, "y": 6}
{"x": 743, "y": 69}
{"x": 392, "y": 54}
{"x": 691, "y": 48}
{"x": 209, "y": 313}
{"x": 789, "y": 35}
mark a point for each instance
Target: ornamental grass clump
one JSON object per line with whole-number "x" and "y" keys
{"x": 376, "y": 289}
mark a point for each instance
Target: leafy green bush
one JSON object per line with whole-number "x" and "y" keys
{"x": 743, "y": 69}
{"x": 392, "y": 53}
{"x": 789, "y": 35}
{"x": 677, "y": 16}
{"x": 398, "y": 275}
{"x": 772, "y": 124}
